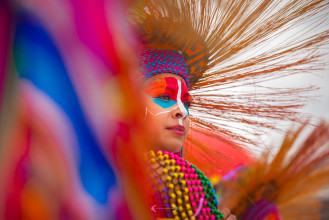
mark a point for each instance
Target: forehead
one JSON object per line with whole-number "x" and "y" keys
{"x": 163, "y": 75}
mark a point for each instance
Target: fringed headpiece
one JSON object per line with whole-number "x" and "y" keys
{"x": 155, "y": 61}
{"x": 227, "y": 44}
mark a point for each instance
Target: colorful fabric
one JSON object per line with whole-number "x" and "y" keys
{"x": 156, "y": 61}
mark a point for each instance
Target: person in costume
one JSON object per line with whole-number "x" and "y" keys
{"x": 165, "y": 85}
{"x": 210, "y": 36}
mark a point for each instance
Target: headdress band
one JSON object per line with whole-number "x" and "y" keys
{"x": 155, "y": 61}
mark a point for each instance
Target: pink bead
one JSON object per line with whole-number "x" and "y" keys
{"x": 177, "y": 162}
{"x": 188, "y": 165}
{"x": 193, "y": 204}
{"x": 193, "y": 182}
{"x": 195, "y": 176}
{"x": 208, "y": 209}
{"x": 191, "y": 197}
{"x": 204, "y": 202}
{"x": 188, "y": 182}
{"x": 200, "y": 189}
{"x": 191, "y": 175}
{"x": 171, "y": 157}
{"x": 186, "y": 176}
{"x": 188, "y": 170}
{"x": 190, "y": 189}
{"x": 196, "y": 210}
{"x": 198, "y": 182}
{"x": 165, "y": 152}
{"x": 196, "y": 189}
{"x": 203, "y": 210}
{"x": 183, "y": 163}
{"x": 202, "y": 196}
{"x": 213, "y": 217}
{"x": 200, "y": 217}
{"x": 197, "y": 196}
{"x": 192, "y": 170}
{"x": 207, "y": 217}
{"x": 183, "y": 169}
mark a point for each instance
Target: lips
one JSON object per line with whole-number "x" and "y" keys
{"x": 177, "y": 129}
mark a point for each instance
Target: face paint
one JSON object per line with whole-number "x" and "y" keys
{"x": 180, "y": 104}
{"x": 167, "y": 92}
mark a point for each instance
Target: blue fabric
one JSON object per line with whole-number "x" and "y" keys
{"x": 38, "y": 60}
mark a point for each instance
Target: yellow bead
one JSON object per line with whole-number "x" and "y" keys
{"x": 183, "y": 215}
{"x": 178, "y": 168}
{"x": 173, "y": 196}
{"x": 179, "y": 193}
{"x": 188, "y": 206}
{"x": 190, "y": 213}
{"x": 160, "y": 157}
{"x": 167, "y": 162}
{"x": 152, "y": 154}
{"x": 192, "y": 218}
{"x": 166, "y": 156}
{"x": 180, "y": 208}
{"x": 181, "y": 175}
{"x": 186, "y": 198}
{"x": 185, "y": 190}
{"x": 175, "y": 175}
{"x": 171, "y": 186}
{"x": 152, "y": 160}
{"x": 172, "y": 169}
{"x": 173, "y": 205}
{"x": 173, "y": 162}
{"x": 185, "y": 218}
{"x": 175, "y": 213}
{"x": 169, "y": 178}
{"x": 165, "y": 171}
{"x": 179, "y": 201}
{"x": 159, "y": 153}
{"x": 177, "y": 218}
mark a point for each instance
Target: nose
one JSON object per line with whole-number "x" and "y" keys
{"x": 177, "y": 113}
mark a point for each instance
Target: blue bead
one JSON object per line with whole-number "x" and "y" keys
{"x": 165, "y": 190}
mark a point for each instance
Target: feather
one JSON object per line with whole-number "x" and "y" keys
{"x": 230, "y": 44}
{"x": 293, "y": 180}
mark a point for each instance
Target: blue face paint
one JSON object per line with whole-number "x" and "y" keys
{"x": 166, "y": 103}
{"x": 163, "y": 103}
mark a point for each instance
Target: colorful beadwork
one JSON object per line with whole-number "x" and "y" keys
{"x": 181, "y": 190}
{"x": 155, "y": 61}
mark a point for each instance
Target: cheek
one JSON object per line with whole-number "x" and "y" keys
{"x": 187, "y": 123}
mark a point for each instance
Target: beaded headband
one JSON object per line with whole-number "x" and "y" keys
{"x": 155, "y": 61}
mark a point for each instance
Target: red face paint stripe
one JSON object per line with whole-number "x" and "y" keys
{"x": 168, "y": 86}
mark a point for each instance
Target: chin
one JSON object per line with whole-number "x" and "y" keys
{"x": 174, "y": 148}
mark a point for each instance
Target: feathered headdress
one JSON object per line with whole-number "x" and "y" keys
{"x": 227, "y": 44}
{"x": 293, "y": 183}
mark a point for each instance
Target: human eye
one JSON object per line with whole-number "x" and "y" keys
{"x": 164, "y": 97}
{"x": 187, "y": 104}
